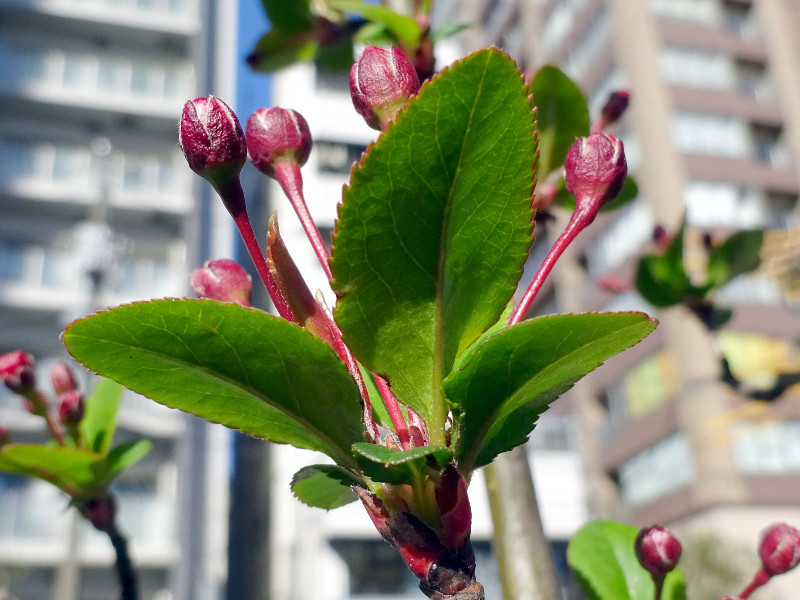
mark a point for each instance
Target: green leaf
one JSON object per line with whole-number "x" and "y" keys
{"x": 123, "y": 456}
{"x": 73, "y": 470}
{"x": 435, "y": 228}
{"x": 228, "y": 364}
{"x": 513, "y": 376}
{"x": 389, "y": 465}
{"x": 325, "y": 486}
{"x": 448, "y": 29}
{"x": 561, "y": 115}
{"x": 277, "y": 50}
{"x": 661, "y": 278}
{"x": 100, "y": 416}
{"x": 737, "y": 255}
{"x": 290, "y": 17}
{"x": 603, "y": 557}
{"x": 404, "y": 28}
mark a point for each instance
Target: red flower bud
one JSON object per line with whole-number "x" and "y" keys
{"x": 658, "y": 550}
{"x": 616, "y": 104}
{"x": 595, "y": 170}
{"x": 223, "y": 279}
{"x": 454, "y": 507}
{"x": 17, "y": 372}
{"x": 780, "y": 549}
{"x": 70, "y": 407}
{"x": 212, "y": 140}
{"x": 63, "y": 379}
{"x": 277, "y": 135}
{"x": 381, "y": 82}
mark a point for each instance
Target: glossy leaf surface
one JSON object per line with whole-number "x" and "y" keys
{"x": 435, "y": 227}
{"x": 603, "y": 557}
{"x": 100, "y": 416}
{"x": 324, "y": 486}
{"x": 71, "y": 469}
{"x": 561, "y": 116}
{"x": 228, "y": 364}
{"x": 389, "y": 465}
{"x": 513, "y": 376}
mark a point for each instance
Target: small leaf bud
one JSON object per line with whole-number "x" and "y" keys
{"x": 381, "y": 82}
{"x": 595, "y": 170}
{"x": 277, "y": 135}
{"x": 17, "y": 372}
{"x": 223, "y": 279}
{"x": 70, "y": 407}
{"x": 454, "y": 508}
{"x": 780, "y": 549}
{"x": 63, "y": 379}
{"x": 658, "y": 550}
{"x": 212, "y": 140}
{"x": 612, "y": 110}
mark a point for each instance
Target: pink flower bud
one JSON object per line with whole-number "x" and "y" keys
{"x": 277, "y": 135}
{"x": 381, "y": 82}
{"x": 780, "y": 549}
{"x": 70, "y": 407}
{"x": 63, "y": 379}
{"x": 17, "y": 372}
{"x": 212, "y": 140}
{"x": 595, "y": 170}
{"x": 223, "y": 279}
{"x": 658, "y": 550}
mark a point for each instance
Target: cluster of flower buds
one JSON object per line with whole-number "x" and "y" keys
{"x": 223, "y": 279}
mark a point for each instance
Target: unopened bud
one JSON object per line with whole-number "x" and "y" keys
{"x": 212, "y": 140}
{"x": 63, "y": 379}
{"x": 658, "y": 550}
{"x": 223, "y": 279}
{"x": 454, "y": 508}
{"x": 780, "y": 549}
{"x": 17, "y": 372}
{"x": 275, "y": 136}
{"x": 381, "y": 82}
{"x": 595, "y": 170}
{"x": 70, "y": 407}
{"x": 615, "y": 105}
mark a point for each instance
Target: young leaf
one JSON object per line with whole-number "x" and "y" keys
{"x": 661, "y": 278}
{"x": 435, "y": 227}
{"x": 277, "y": 49}
{"x": 561, "y": 116}
{"x": 71, "y": 469}
{"x": 513, "y": 376}
{"x": 325, "y": 486}
{"x": 290, "y": 17}
{"x": 100, "y": 416}
{"x": 737, "y": 255}
{"x": 404, "y": 28}
{"x": 603, "y": 557}
{"x": 123, "y": 456}
{"x": 228, "y": 364}
{"x": 388, "y": 465}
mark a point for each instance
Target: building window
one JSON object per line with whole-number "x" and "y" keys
{"x": 592, "y": 43}
{"x": 656, "y": 471}
{"x": 702, "y": 133}
{"x": 757, "y": 359}
{"x": 705, "y": 12}
{"x": 621, "y": 240}
{"x": 695, "y": 68}
{"x": 337, "y": 157}
{"x": 768, "y": 450}
{"x": 715, "y": 204}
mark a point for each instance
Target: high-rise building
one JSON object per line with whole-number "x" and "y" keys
{"x": 97, "y": 207}
{"x": 713, "y": 133}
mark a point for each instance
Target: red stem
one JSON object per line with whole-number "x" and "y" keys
{"x": 291, "y": 181}
{"x": 233, "y": 198}
{"x": 395, "y": 414}
{"x": 579, "y": 220}
{"x": 761, "y": 578}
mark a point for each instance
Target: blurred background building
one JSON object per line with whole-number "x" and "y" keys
{"x": 712, "y": 131}
{"x": 97, "y": 207}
